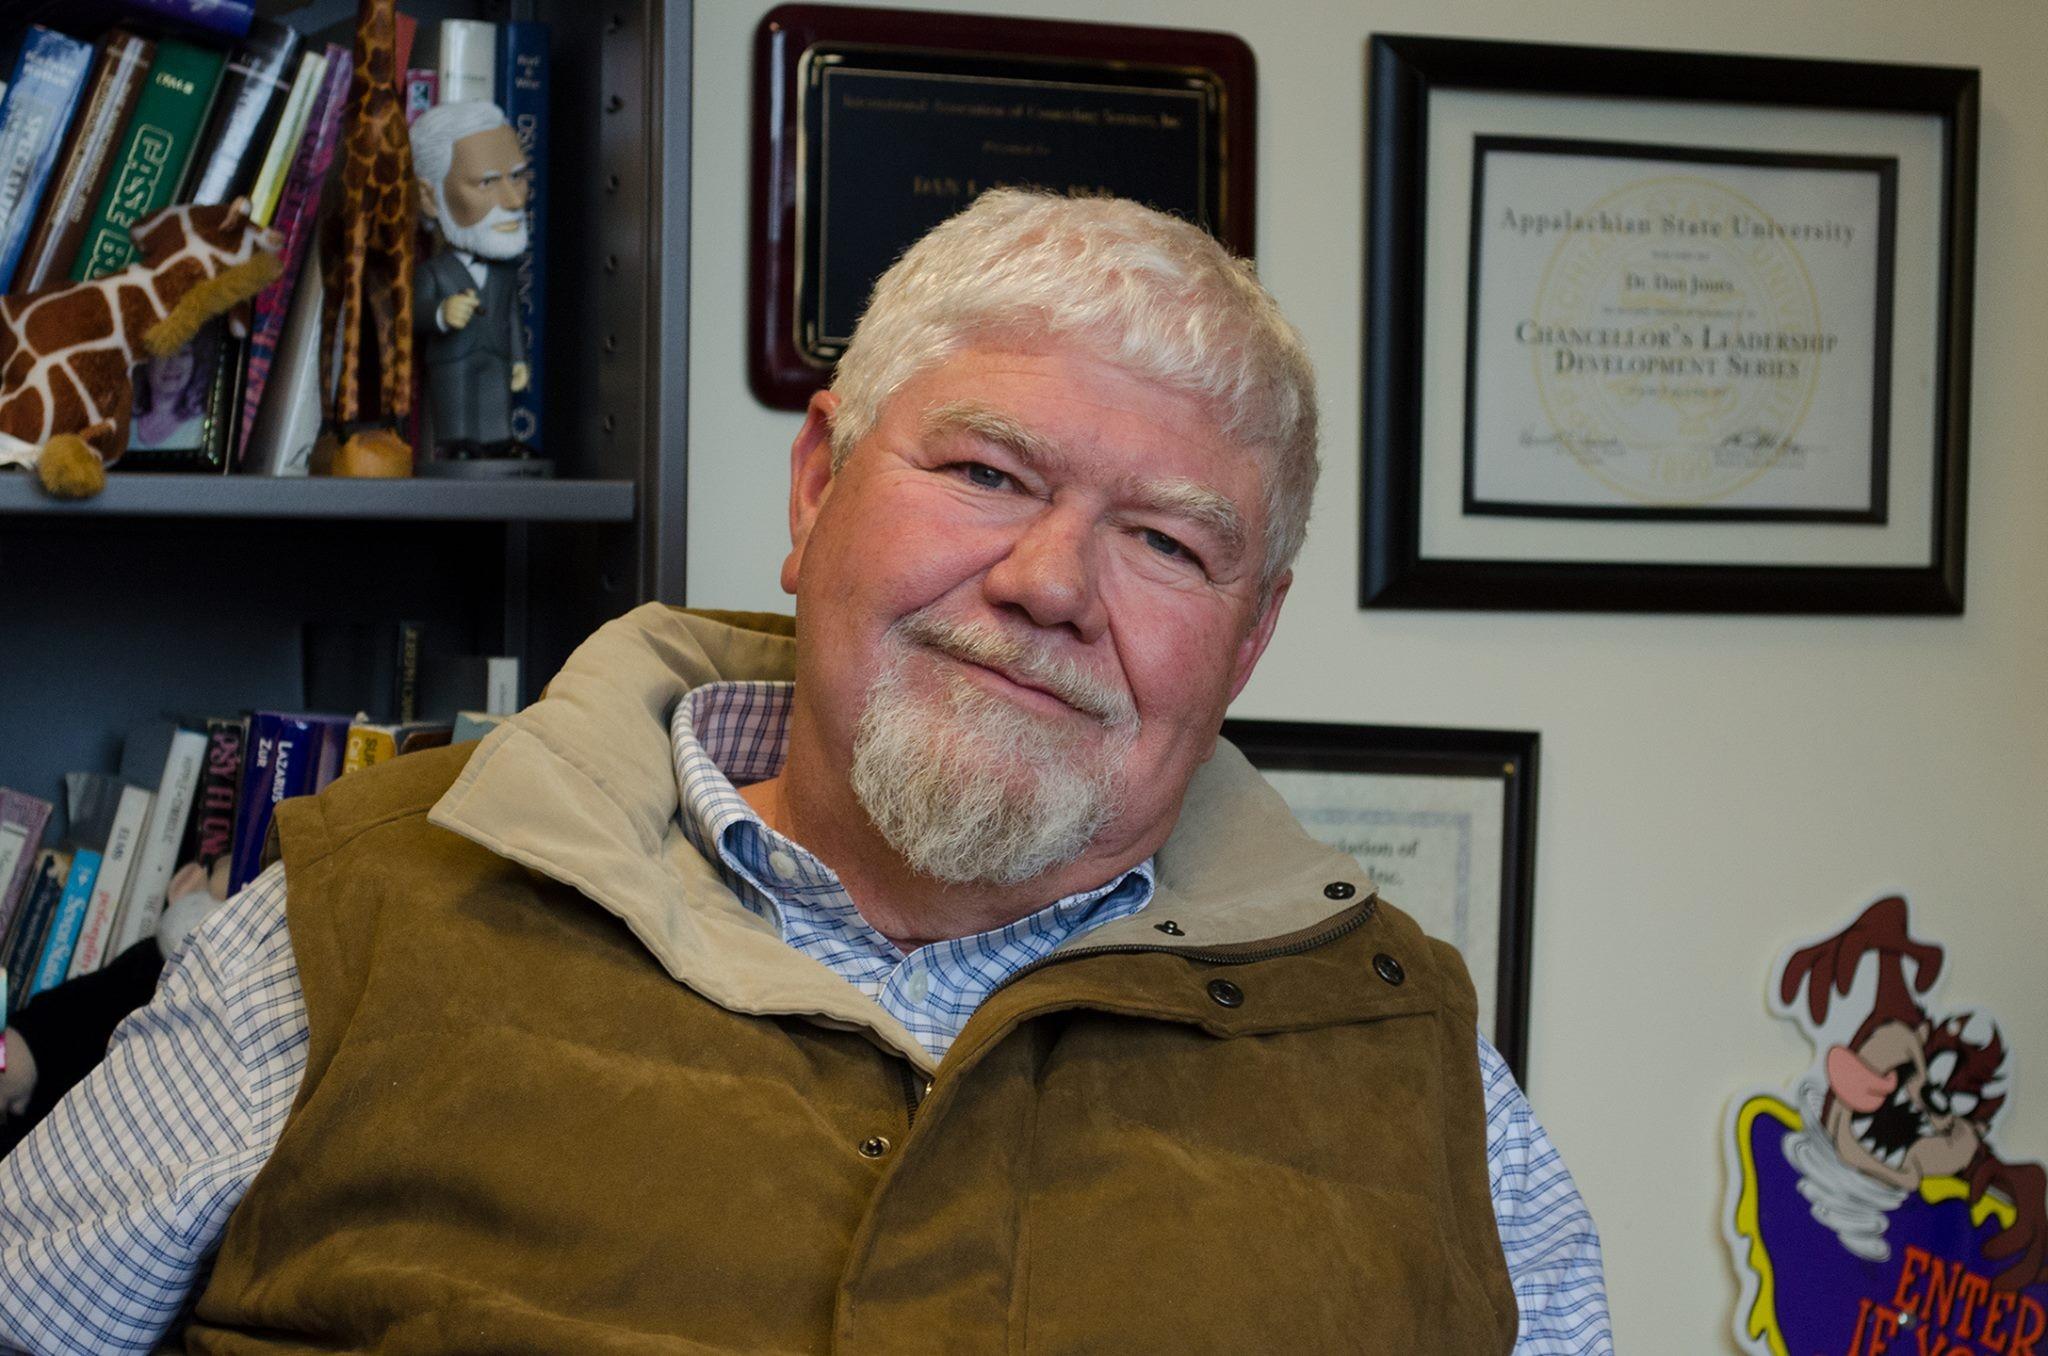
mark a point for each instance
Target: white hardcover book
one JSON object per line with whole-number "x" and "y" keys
{"x": 501, "y": 685}
{"x": 116, "y": 865}
{"x": 469, "y": 61}
{"x": 288, "y": 417}
{"x": 159, "y": 855}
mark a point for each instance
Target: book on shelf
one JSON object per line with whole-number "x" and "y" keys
{"x": 110, "y": 885}
{"x": 210, "y": 837}
{"x": 279, "y": 442}
{"x": 22, "y": 820}
{"x": 467, "y": 63}
{"x": 49, "y": 80}
{"x": 31, "y": 925}
{"x": 284, "y": 144}
{"x": 370, "y": 743}
{"x": 182, "y": 753}
{"x": 53, "y": 959}
{"x": 157, "y": 147}
{"x": 289, "y": 755}
{"x": 297, "y": 211}
{"x": 247, "y": 107}
{"x": 422, "y": 91}
{"x": 523, "y": 94}
{"x": 86, "y": 160}
{"x": 474, "y": 725}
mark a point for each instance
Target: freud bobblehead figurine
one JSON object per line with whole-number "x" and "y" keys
{"x": 473, "y": 181}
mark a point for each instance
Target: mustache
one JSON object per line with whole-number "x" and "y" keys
{"x": 1019, "y": 659}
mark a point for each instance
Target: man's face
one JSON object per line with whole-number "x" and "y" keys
{"x": 1039, "y": 496}
{"x": 482, "y": 201}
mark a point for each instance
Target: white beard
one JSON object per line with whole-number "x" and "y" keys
{"x": 973, "y": 790}
{"x": 482, "y": 236}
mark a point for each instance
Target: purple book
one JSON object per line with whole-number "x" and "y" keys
{"x": 297, "y": 208}
{"x": 22, "y": 820}
{"x": 288, "y": 755}
{"x": 229, "y": 18}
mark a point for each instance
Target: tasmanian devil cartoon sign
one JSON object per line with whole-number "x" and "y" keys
{"x": 1868, "y": 1211}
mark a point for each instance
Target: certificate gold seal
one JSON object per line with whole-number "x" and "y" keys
{"x": 1676, "y": 363}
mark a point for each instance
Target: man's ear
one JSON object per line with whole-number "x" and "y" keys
{"x": 810, "y": 480}
{"x": 1254, "y": 643}
{"x": 423, "y": 201}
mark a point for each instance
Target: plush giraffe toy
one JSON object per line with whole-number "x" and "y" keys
{"x": 368, "y": 262}
{"x": 67, "y": 354}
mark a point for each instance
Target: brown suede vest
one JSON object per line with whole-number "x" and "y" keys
{"x": 518, "y": 1134}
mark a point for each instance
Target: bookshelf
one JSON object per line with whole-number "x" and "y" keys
{"x": 186, "y": 593}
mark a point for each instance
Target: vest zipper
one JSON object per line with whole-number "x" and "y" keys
{"x": 1341, "y": 925}
{"x": 913, "y": 1096}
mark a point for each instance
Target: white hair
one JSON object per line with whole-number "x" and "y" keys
{"x": 437, "y": 130}
{"x": 1147, "y": 292}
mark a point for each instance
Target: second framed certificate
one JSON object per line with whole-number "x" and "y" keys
{"x": 1665, "y": 331}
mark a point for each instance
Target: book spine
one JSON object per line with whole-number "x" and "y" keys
{"x": 229, "y": 18}
{"x": 87, "y": 158}
{"x": 406, "y": 700}
{"x": 219, "y": 782}
{"x": 422, "y": 92}
{"x": 468, "y": 61}
{"x": 159, "y": 853}
{"x": 54, "y": 962}
{"x": 330, "y": 746}
{"x": 152, "y": 161}
{"x": 297, "y": 208}
{"x": 253, "y": 798}
{"x": 246, "y": 110}
{"x": 117, "y": 863}
{"x": 49, "y": 79}
{"x": 22, "y": 821}
{"x": 523, "y": 91}
{"x": 284, "y": 143}
{"x": 32, "y": 924}
{"x": 368, "y": 745}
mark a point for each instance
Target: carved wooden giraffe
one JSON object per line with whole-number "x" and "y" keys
{"x": 369, "y": 256}
{"x": 67, "y": 353}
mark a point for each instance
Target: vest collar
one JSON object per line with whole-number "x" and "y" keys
{"x": 581, "y": 787}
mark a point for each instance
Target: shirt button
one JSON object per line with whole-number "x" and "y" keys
{"x": 782, "y": 864}
{"x": 917, "y": 986}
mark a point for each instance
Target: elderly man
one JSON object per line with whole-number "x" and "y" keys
{"x": 923, "y": 977}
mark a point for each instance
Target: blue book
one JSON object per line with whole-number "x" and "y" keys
{"x": 287, "y": 755}
{"x": 32, "y": 924}
{"x": 523, "y": 93}
{"x": 64, "y": 928}
{"x": 49, "y": 80}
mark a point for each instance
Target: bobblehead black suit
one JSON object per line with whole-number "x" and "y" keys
{"x": 469, "y": 371}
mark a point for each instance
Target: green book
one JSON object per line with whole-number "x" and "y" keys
{"x": 154, "y": 150}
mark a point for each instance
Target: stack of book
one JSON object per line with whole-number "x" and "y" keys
{"x": 203, "y": 101}
{"x": 192, "y": 805}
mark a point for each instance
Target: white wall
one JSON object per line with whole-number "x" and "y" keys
{"x": 1711, "y": 787}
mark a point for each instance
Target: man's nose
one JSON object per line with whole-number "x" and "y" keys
{"x": 512, "y": 192}
{"x": 1049, "y": 574}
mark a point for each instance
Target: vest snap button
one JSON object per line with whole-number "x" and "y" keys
{"x": 1225, "y": 993}
{"x": 1170, "y": 928}
{"x": 1340, "y": 889}
{"x": 1388, "y": 968}
{"x": 874, "y": 1146}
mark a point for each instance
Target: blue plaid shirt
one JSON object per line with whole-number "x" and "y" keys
{"x": 110, "y": 1212}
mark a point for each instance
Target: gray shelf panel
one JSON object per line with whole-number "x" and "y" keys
{"x": 201, "y": 496}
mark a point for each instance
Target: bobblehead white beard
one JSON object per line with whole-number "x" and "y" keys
{"x": 973, "y": 790}
{"x": 482, "y": 236}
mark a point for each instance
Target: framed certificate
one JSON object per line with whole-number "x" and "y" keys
{"x": 1666, "y": 332}
{"x": 872, "y": 126}
{"x": 1443, "y": 820}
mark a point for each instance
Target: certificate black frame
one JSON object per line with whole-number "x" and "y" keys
{"x": 1404, "y": 71}
{"x": 780, "y": 370}
{"x": 1509, "y": 757}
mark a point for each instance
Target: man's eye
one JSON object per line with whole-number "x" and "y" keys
{"x": 1165, "y": 545}
{"x": 984, "y": 475}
